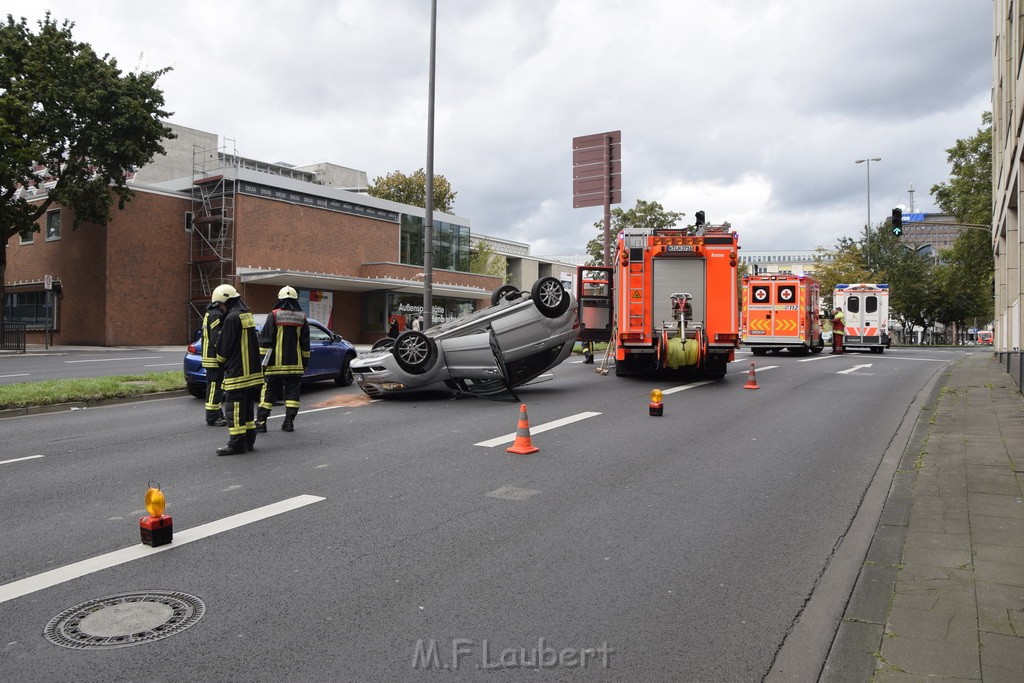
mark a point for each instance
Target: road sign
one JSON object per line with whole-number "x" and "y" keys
{"x": 47, "y": 282}
{"x": 597, "y": 169}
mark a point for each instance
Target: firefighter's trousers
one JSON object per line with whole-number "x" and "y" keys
{"x": 279, "y": 388}
{"x": 240, "y": 412}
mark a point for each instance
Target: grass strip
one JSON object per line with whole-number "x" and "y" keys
{"x": 53, "y": 391}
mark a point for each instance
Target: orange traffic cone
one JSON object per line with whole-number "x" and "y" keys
{"x": 751, "y": 379}
{"x": 523, "y": 445}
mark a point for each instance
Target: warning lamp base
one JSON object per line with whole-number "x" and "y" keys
{"x": 656, "y": 409}
{"x": 156, "y": 531}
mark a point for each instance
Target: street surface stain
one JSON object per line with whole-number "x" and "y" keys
{"x": 350, "y": 400}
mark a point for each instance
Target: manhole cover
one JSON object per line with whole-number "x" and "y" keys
{"x": 125, "y": 619}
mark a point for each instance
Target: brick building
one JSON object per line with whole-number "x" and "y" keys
{"x": 203, "y": 216}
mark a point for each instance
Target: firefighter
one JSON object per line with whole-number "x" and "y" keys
{"x": 838, "y": 330}
{"x": 238, "y": 354}
{"x": 284, "y": 344}
{"x": 214, "y": 375}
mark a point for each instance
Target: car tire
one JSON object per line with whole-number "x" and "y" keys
{"x": 385, "y": 343}
{"x": 197, "y": 390}
{"x": 345, "y": 377}
{"x": 415, "y": 352}
{"x": 550, "y": 297}
{"x": 503, "y": 292}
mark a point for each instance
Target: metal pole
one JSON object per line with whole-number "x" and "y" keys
{"x": 607, "y": 200}
{"x": 867, "y": 228}
{"x": 428, "y": 216}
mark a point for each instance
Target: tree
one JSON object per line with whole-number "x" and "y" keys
{"x": 484, "y": 260}
{"x": 651, "y": 215}
{"x": 844, "y": 263}
{"x": 72, "y": 126}
{"x": 412, "y": 190}
{"x": 968, "y": 266}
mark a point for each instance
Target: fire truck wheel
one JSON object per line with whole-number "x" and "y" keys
{"x": 415, "y": 352}
{"x": 550, "y": 297}
{"x": 505, "y": 291}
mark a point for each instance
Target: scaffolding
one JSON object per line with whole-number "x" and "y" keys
{"x": 212, "y": 227}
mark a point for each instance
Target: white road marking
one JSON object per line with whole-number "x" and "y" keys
{"x": 509, "y": 438}
{"x": 756, "y": 369}
{"x": 855, "y": 368}
{"x": 927, "y": 360}
{"x": 23, "y": 374}
{"x": 826, "y": 356}
{"x": 16, "y": 589}
{"x": 27, "y": 457}
{"x": 684, "y": 387}
{"x": 109, "y": 360}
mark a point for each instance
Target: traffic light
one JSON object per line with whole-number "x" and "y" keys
{"x": 897, "y": 222}
{"x": 700, "y": 218}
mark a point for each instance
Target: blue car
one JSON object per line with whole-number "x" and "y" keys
{"x": 329, "y": 358}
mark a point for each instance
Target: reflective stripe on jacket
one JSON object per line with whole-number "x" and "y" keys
{"x": 285, "y": 335}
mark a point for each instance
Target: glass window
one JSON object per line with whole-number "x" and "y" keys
{"x": 27, "y": 239}
{"x": 316, "y": 334}
{"x": 30, "y": 308}
{"x": 853, "y": 304}
{"x": 53, "y": 225}
{"x": 451, "y": 244}
{"x": 870, "y": 304}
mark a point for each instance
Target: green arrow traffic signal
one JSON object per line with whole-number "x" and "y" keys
{"x": 897, "y": 222}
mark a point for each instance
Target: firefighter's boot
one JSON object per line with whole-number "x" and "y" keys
{"x": 214, "y": 418}
{"x": 289, "y": 419}
{"x": 236, "y": 446}
{"x": 261, "y": 419}
{"x": 250, "y": 439}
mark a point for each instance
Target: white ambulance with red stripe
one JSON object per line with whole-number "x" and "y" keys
{"x": 866, "y": 308}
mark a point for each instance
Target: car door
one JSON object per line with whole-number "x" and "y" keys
{"x": 324, "y": 353}
{"x": 492, "y": 383}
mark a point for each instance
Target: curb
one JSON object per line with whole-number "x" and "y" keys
{"x": 91, "y": 403}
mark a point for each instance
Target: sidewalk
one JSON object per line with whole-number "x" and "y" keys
{"x": 940, "y": 595}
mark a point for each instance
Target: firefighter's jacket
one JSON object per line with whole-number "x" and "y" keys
{"x": 211, "y": 333}
{"x": 238, "y": 349}
{"x": 284, "y": 340}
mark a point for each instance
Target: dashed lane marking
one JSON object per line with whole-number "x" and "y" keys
{"x": 110, "y": 360}
{"x": 27, "y": 457}
{"x": 32, "y": 584}
{"x": 509, "y": 438}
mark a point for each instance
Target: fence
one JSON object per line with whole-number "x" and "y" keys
{"x": 12, "y": 336}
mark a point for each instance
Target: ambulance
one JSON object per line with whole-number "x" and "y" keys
{"x": 866, "y": 309}
{"x": 780, "y": 312}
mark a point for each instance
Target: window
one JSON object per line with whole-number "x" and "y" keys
{"x": 853, "y": 304}
{"x": 870, "y": 304}
{"x": 27, "y": 239}
{"x": 451, "y": 244}
{"x": 53, "y": 225}
{"x": 29, "y": 308}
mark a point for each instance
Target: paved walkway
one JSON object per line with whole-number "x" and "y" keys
{"x": 940, "y": 594}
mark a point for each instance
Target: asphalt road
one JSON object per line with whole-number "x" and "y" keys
{"x": 680, "y": 547}
{"x": 76, "y": 363}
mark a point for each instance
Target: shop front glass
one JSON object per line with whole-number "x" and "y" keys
{"x": 380, "y": 307}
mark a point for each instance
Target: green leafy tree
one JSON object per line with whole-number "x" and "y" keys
{"x": 485, "y": 261}
{"x": 844, "y": 263}
{"x": 968, "y": 267}
{"x": 71, "y": 125}
{"x": 412, "y": 189}
{"x": 650, "y": 215}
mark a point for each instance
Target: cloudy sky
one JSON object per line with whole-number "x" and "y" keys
{"x": 752, "y": 110}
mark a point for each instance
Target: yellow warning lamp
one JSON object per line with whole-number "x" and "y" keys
{"x": 158, "y": 528}
{"x": 155, "y": 502}
{"x": 656, "y": 408}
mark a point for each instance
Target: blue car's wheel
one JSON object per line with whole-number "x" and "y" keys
{"x": 415, "y": 352}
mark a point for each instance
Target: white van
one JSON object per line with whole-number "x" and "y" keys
{"x": 866, "y": 308}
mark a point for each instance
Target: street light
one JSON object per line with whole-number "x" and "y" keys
{"x": 867, "y": 228}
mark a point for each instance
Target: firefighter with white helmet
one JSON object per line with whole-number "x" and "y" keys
{"x": 238, "y": 355}
{"x": 284, "y": 343}
{"x": 214, "y": 375}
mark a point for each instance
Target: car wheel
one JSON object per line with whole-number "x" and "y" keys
{"x": 550, "y": 297}
{"x": 197, "y": 390}
{"x": 415, "y": 352}
{"x": 345, "y": 377}
{"x": 385, "y": 343}
{"x": 503, "y": 292}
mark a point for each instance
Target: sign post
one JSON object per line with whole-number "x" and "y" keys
{"x": 597, "y": 176}
{"x": 48, "y": 286}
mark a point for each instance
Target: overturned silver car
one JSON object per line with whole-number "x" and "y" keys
{"x": 486, "y": 353}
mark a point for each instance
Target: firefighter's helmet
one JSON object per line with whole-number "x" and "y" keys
{"x": 223, "y": 293}
{"x": 287, "y": 293}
